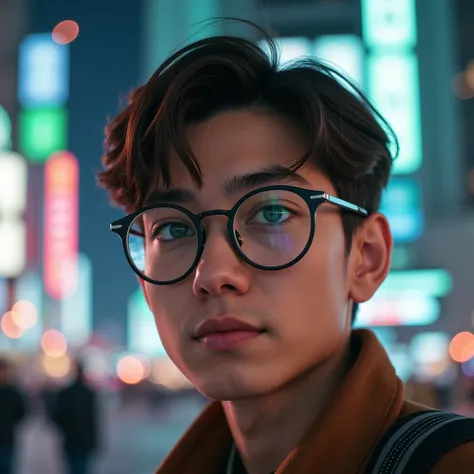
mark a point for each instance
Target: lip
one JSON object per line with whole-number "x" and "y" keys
{"x": 224, "y": 324}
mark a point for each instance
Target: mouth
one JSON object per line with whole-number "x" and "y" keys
{"x": 228, "y": 339}
{"x": 226, "y": 332}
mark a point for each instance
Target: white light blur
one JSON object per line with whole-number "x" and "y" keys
{"x": 345, "y": 53}
{"x": 13, "y": 184}
{"x": 12, "y": 247}
{"x": 399, "y": 308}
{"x": 293, "y": 48}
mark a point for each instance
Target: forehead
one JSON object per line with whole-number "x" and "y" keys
{"x": 238, "y": 142}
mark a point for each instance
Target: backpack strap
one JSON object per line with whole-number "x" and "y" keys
{"x": 415, "y": 443}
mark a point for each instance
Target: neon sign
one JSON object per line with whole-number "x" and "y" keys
{"x": 13, "y": 181}
{"x": 61, "y": 225}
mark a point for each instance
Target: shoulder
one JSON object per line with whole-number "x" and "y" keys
{"x": 459, "y": 460}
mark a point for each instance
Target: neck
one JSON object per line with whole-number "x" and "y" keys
{"x": 266, "y": 429}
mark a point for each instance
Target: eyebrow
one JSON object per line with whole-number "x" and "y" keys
{"x": 275, "y": 174}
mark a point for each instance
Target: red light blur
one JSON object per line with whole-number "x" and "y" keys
{"x": 65, "y": 32}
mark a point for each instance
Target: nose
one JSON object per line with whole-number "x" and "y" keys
{"x": 220, "y": 270}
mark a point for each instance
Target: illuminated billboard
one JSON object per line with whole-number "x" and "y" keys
{"x": 345, "y": 53}
{"x": 43, "y": 76}
{"x": 13, "y": 189}
{"x": 61, "y": 177}
{"x": 393, "y": 87}
{"x": 406, "y": 298}
{"x": 402, "y": 204}
{"x": 12, "y": 247}
{"x": 389, "y": 23}
{"x": 390, "y": 35}
{"x": 42, "y": 132}
{"x": 13, "y": 184}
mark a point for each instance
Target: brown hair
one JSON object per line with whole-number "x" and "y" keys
{"x": 346, "y": 137}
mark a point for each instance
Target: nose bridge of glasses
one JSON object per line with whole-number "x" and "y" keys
{"x": 215, "y": 212}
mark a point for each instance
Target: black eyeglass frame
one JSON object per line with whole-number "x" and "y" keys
{"x": 123, "y": 226}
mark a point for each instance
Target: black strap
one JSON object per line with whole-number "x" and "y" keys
{"x": 415, "y": 443}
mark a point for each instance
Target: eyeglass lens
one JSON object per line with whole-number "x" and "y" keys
{"x": 270, "y": 228}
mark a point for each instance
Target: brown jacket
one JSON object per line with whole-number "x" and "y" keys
{"x": 340, "y": 441}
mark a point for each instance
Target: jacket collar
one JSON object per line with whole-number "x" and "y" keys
{"x": 341, "y": 439}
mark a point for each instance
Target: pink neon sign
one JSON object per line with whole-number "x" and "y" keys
{"x": 61, "y": 177}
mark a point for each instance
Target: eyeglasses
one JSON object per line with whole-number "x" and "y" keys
{"x": 270, "y": 228}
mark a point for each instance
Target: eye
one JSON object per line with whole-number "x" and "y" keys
{"x": 172, "y": 231}
{"x": 273, "y": 214}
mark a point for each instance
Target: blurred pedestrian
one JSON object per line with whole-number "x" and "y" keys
{"x": 76, "y": 416}
{"x": 12, "y": 411}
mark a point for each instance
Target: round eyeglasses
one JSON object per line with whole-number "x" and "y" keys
{"x": 270, "y": 228}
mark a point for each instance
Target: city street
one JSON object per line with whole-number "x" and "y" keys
{"x": 136, "y": 440}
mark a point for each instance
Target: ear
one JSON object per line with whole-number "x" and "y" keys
{"x": 369, "y": 259}
{"x": 143, "y": 287}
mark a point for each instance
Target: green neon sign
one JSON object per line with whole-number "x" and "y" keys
{"x": 436, "y": 283}
{"x": 42, "y": 132}
{"x": 389, "y": 23}
{"x": 392, "y": 85}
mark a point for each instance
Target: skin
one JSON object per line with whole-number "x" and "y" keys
{"x": 274, "y": 386}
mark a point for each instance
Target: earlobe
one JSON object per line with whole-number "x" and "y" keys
{"x": 370, "y": 257}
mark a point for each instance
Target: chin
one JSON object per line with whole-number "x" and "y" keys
{"x": 227, "y": 388}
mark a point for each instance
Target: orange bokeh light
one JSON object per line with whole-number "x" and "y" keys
{"x": 54, "y": 343}
{"x": 65, "y": 32}
{"x": 461, "y": 347}
{"x": 131, "y": 370}
{"x": 9, "y": 327}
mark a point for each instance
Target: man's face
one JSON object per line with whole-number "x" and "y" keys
{"x": 302, "y": 310}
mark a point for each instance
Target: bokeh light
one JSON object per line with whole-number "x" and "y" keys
{"x": 96, "y": 363}
{"x": 24, "y": 314}
{"x": 461, "y": 347}
{"x": 56, "y": 367}
{"x": 9, "y": 327}
{"x": 65, "y": 32}
{"x": 54, "y": 343}
{"x": 131, "y": 369}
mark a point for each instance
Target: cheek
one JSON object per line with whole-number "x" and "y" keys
{"x": 320, "y": 290}
{"x": 166, "y": 307}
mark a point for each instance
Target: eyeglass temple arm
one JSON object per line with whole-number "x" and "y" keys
{"x": 348, "y": 206}
{"x": 115, "y": 227}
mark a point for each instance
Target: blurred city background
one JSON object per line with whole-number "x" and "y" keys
{"x": 66, "y": 291}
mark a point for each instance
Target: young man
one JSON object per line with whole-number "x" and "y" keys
{"x": 254, "y": 230}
